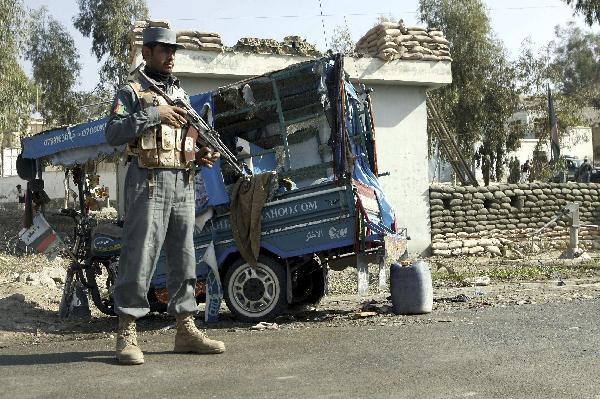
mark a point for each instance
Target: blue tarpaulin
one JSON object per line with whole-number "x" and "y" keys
{"x": 362, "y": 171}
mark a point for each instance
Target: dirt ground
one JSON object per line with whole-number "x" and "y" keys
{"x": 31, "y": 289}
{"x": 28, "y": 307}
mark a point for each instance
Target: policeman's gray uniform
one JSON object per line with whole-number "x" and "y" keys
{"x": 159, "y": 201}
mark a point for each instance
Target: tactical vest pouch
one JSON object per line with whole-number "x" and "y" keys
{"x": 159, "y": 146}
{"x": 148, "y": 158}
{"x": 148, "y": 139}
{"x": 179, "y": 138}
{"x": 167, "y": 137}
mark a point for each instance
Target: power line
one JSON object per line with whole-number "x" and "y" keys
{"x": 323, "y": 23}
{"x": 323, "y": 15}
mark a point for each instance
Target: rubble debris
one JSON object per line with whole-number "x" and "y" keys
{"x": 575, "y": 253}
{"x": 364, "y": 315}
{"x": 291, "y": 45}
{"x": 169, "y": 327}
{"x": 368, "y": 306}
{"x": 392, "y": 41}
{"x": 385, "y": 309}
{"x": 480, "y": 281}
{"x": 371, "y": 306}
{"x": 263, "y": 325}
{"x": 456, "y": 299}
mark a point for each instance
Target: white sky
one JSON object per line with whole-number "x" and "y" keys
{"x": 512, "y": 20}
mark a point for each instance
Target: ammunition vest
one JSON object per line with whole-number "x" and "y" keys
{"x": 160, "y": 146}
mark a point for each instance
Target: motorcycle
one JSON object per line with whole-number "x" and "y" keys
{"x": 94, "y": 252}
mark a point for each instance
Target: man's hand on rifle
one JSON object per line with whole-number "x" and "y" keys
{"x": 172, "y": 115}
{"x": 206, "y": 157}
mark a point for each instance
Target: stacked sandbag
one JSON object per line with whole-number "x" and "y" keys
{"x": 201, "y": 41}
{"x": 136, "y": 38}
{"x": 391, "y": 41}
{"x": 291, "y": 45}
{"x": 514, "y": 212}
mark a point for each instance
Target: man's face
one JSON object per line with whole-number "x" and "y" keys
{"x": 161, "y": 57}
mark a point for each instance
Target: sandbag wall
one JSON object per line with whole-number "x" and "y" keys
{"x": 201, "y": 41}
{"x": 211, "y": 41}
{"x": 136, "y": 38}
{"x": 189, "y": 39}
{"x": 390, "y": 41}
{"x": 496, "y": 219}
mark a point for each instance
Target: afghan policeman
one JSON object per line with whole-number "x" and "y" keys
{"x": 159, "y": 200}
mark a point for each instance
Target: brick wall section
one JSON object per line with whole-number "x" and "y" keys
{"x": 491, "y": 220}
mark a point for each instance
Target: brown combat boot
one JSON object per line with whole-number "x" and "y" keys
{"x": 190, "y": 339}
{"x": 128, "y": 351}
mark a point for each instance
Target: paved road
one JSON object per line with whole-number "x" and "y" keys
{"x": 530, "y": 351}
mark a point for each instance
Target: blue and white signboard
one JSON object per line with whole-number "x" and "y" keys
{"x": 51, "y": 142}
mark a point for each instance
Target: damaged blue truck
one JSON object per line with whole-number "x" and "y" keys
{"x": 313, "y": 131}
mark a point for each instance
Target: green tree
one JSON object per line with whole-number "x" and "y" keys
{"x": 16, "y": 90}
{"x": 341, "y": 40}
{"x": 570, "y": 66}
{"x": 56, "y": 68}
{"x": 483, "y": 96}
{"x": 589, "y": 8}
{"x": 94, "y": 104}
{"x": 576, "y": 64}
{"x": 108, "y": 23}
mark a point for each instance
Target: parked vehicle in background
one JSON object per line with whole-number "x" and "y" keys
{"x": 572, "y": 164}
{"x": 572, "y": 167}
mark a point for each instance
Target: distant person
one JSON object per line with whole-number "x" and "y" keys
{"x": 19, "y": 196}
{"x": 585, "y": 171}
{"x": 525, "y": 168}
{"x": 514, "y": 175}
{"x": 485, "y": 169}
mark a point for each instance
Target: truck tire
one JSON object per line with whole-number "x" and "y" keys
{"x": 255, "y": 294}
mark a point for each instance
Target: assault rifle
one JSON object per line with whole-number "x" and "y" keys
{"x": 198, "y": 131}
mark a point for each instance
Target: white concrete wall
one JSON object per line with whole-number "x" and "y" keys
{"x": 7, "y": 184}
{"x": 196, "y": 85}
{"x": 525, "y": 152}
{"x": 401, "y": 139}
{"x": 578, "y": 142}
{"x": 53, "y": 182}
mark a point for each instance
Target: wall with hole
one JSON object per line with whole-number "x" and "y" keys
{"x": 500, "y": 220}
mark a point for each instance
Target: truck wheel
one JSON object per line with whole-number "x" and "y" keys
{"x": 256, "y": 294}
